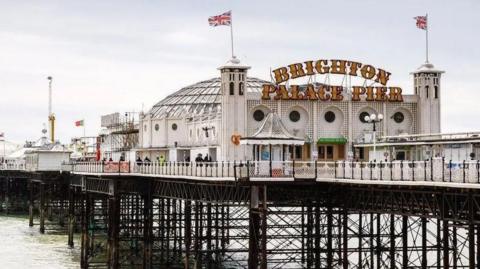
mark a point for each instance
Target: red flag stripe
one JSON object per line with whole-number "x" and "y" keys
{"x": 421, "y": 22}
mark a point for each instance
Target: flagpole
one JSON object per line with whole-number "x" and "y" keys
{"x": 231, "y": 32}
{"x": 426, "y": 36}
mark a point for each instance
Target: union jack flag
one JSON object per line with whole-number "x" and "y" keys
{"x": 421, "y": 22}
{"x": 223, "y": 19}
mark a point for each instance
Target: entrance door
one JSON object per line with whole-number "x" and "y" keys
{"x": 329, "y": 152}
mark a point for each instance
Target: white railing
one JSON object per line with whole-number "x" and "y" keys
{"x": 13, "y": 165}
{"x": 194, "y": 169}
{"x": 433, "y": 170}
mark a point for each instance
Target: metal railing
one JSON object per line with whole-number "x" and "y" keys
{"x": 17, "y": 165}
{"x": 437, "y": 170}
{"x": 432, "y": 170}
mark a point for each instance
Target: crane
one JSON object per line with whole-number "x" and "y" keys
{"x": 51, "y": 116}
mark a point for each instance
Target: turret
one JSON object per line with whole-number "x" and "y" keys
{"x": 426, "y": 81}
{"x": 234, "y": 105}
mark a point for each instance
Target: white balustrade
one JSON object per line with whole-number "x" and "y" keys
{"x": 467, "y": 172}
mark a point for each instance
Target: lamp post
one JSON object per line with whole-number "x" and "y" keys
{"x": 374, "y": 119}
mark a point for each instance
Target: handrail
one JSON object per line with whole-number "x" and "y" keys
{"x": 432, "y": 170}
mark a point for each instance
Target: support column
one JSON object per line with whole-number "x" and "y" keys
{"x": 71, "y": 215}
{"x": 345, "y": 239}
{"x": 478, "y": 246}
{"x": 31, "y": 203}
{"x": 329, "y": 236}
{"x": 471, "y": 245}
{"x": 360, "y": 240}
{"x": 309, "y": 251}
{"x": 254, "y": 231}
{"x": 317, "y": 236}
{"x": 188, "y": 232}
{"x": 209, "y": 236}
{"x": 424, "y": 243}
{"x": 392, "y": 241}
{"x": 404, "y": 242}
{"x": 113, "y": 228}
{"x": 446, "y": 260}
{"x": 147, "y": 227}
{"x": 42, "y": 208}
{"x": 264, "y": 261}
{"x": 85, "y": 251}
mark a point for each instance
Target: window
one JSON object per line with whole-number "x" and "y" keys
{"x": 240, "y": 88}
{"x": 330, "y": 116}
{"x": 329, "y": 152}
{"x": 426, "y": 89}
{"x": 436, "y": 92}
{"x": 398, "y": 117}
{"x": 294, "y": 116}
{"x": 321, "y": 153}
{"x": 298, "y": 152}
{"x": 232, "y": 91}
{"x": 174, "y": 126}
{"x": 157, "y": 127}
{"x": 258, "y": 115}
{"x": 363, "y": 115}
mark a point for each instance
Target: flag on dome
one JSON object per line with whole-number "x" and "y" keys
{"x": 421, "y": 22}
{"x": 79, "y": 123}
{"x": 223, "y": 19}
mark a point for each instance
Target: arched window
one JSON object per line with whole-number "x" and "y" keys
{"x": 426, "y": 89}
{"x": 436, "y": 92}
{"x": 240, "y": 88}
{"x": 232, "y": 91}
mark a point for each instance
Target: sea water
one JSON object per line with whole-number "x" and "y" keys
{"x": 22, "y": 246}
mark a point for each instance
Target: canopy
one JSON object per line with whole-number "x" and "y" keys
{"x": 332, "y": 140}
{"x": 272, "y": 132}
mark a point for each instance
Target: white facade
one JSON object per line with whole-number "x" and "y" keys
{"x": 205, "y": 118}
{"x": 46, "y": 160}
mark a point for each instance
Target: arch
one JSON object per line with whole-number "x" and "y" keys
{"x": 396, "y": 128}
{"x": 334, "y": 128}
{"x": 232, "y": 88}
{"x": 297, "y": 128}
{"x": 368, "y": 109}
{"x": 240, "y": 88}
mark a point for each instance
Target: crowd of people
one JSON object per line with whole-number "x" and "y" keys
{"x": 161, "y": 160}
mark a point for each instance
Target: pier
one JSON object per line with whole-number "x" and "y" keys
{"x": 257, "y": 214}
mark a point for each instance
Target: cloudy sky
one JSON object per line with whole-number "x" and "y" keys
{"x": 108, "y": 56}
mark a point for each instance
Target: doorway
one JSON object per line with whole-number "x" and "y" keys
{"x": 331, "y": 152}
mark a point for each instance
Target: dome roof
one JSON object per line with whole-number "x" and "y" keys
{"x": 203, "y": 97}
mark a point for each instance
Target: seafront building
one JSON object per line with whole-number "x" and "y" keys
{"x": 212, "y": 116}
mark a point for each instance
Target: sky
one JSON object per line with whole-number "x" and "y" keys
{"x": 118, "y": 56}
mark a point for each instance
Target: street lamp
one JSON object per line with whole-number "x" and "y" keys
{"x": 374, "y": 119}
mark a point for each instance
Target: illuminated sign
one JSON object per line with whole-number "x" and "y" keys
{"x": 330, "y": 92}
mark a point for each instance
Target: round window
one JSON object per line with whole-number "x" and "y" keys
{"x": 330, "y": 116}
{"x": 258, "y": 115}
{"x": 363, "y": 115}
{"x": 157, "y": 127}
{"x": 294, "y": 116}
{"x": 398, "y": 117}
{"x": 174, "y": 126}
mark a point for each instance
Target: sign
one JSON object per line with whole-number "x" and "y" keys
{"x": 322, "y": 92}
{"x": 315, "y": 155}
{"x": 235, "y": 138}
{"x": 110, "y": 120}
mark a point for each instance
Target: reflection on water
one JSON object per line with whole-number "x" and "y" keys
{"x": 24, "y": 247}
